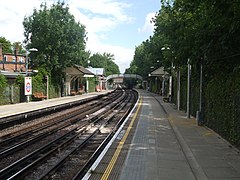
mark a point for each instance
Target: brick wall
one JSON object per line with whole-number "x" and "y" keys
{"x": 12, "y": 62}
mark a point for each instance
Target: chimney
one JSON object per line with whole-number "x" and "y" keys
{"x": 16, "y": 55}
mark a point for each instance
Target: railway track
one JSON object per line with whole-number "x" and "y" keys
{"x": 42, "y": 128}
{"x": 65, "y": 148}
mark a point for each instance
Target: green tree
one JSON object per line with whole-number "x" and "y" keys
{"x": 106, "y": 61}
{"x": 206, "y": 32}
{"x": 19, "y": 46}
{"x": 60, "y": 40}
{"x": 6, "y": 45}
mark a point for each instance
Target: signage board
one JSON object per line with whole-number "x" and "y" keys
{"x": 28, "y": 86}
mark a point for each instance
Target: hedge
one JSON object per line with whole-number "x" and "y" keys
{"x": 221, "y": 97}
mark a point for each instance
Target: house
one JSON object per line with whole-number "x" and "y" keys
{"x": 100, "y": 78}
{"x": 12, "y": 62}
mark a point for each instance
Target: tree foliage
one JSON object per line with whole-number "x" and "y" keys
{"x": 9, "y": 48}
{"x": 197, "y": 30}
{"x": 207, "y": 33}
{"x": 6, "y": 45}
{"x": 19, "y": 46}
{"x": 106, "y": 61}
{"x": 60, "y": 40}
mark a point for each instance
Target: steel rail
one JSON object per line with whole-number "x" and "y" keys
{"x": 7, "y": 170}
{"x": 21, "y": 144}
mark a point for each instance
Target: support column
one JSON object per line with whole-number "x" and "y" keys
{"x": 87, "y": 85}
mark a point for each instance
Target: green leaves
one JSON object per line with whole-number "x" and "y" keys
{"x": 60, "y": 40}
{"x": 106, "y": 61}
{"x": 6, "y": 45}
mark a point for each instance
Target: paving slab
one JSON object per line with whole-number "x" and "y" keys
{"x": 165, "y": 144}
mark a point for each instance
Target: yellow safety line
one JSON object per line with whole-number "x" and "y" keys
{"x": 120, "y": 145}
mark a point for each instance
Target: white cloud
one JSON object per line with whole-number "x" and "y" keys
{"x": 148, "y": 26}
{"x": 12, "y": 15}
{"x": 103, "y": 7}
{"x": 99, "y": 17}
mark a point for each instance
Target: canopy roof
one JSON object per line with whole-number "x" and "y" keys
{"x": 77, "y": 70}
{"x": 97, "y": 71}
{"x": 159, "y": 72}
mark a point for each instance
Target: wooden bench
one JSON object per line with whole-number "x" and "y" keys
{"x": 80, "y": 92}
{"x": 72, "y": 93}
{"x": 39, "y": 95}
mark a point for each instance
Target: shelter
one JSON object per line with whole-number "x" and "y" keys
{"x": 163, "y": 76}
{"x": 77, "y": 80}
{"x": 160, "y": 72}
{"x": 11, "y": 76}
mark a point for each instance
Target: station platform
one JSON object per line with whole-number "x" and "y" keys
{"x": 159, "y": 142}
{"x": 13, "y": 109}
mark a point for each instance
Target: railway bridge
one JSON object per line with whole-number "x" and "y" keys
{"x": 118, "y": 78}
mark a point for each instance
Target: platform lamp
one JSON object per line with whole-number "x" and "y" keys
{"x": 28, "y": 86}
{"x": 170, "y": 80}
{"x": 28, "y": 51}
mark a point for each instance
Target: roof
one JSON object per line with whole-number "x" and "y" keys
{"x": 83, "y": 70}
{"x": 97, "y": 71}
{"x": 158, "y": 72}
{"x": 11, "y": 75}
{"x": 77, "y": 70}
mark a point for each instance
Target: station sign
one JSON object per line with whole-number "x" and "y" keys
{"x": 28, "y": 85}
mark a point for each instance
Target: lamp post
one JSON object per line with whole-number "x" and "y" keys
{"x": 28, "y": 80}
{"x": 199, "y": 113}
{"x": 28, "y": 51}
{"x": 170, "y": 78}
{"x": 188, "y": 88}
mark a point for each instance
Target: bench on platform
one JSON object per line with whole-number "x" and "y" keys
{"x": 72, "y": 93}
{"x": 79, "y": 92}
{"x": 39, "y": 95}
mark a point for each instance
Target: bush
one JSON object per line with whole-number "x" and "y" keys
{"x": 222, "y": 110}
{"x": 3, "y": 89}
{"x": 3, "y": 83}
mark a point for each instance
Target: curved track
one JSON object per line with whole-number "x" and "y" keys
{"x": 65, "y": 145}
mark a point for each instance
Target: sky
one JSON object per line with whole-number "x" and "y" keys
{"x": 112, "y": 26}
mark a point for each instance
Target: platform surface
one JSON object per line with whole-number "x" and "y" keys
{"x": 12, "y": 109}
{"x": 161, "y": 143}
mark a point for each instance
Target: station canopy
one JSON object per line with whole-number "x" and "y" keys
{"x": 78, "y": 71}
{"x": 97, "y": 71}
{"x": 159, "y": 72}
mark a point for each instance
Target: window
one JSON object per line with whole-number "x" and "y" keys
{"x": 5, "y": 58}
{"x": 21, "y": 59}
